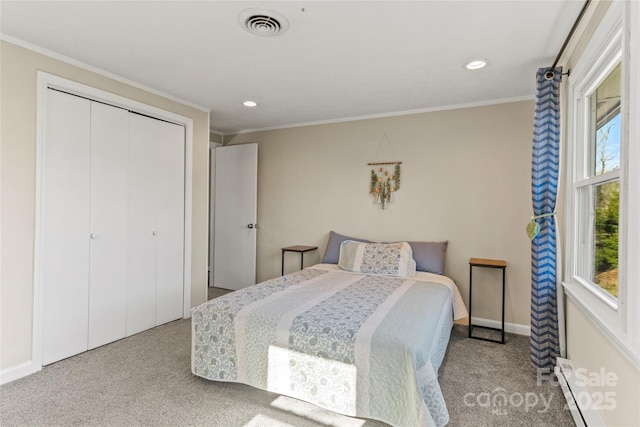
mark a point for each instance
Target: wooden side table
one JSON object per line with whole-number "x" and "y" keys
{"x": 487, "y": 263}
{"x": 301, "y": 250}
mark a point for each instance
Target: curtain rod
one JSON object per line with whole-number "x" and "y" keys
{"x": 549, "y": 74}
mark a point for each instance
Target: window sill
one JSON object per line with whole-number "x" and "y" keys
{"x": 590, "y": 288}
{"x": 605, "y": 318}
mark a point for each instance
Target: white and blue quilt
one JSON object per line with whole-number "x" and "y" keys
{"x": 362, "y": 345}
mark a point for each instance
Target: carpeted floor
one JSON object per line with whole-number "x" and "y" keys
{"x": 146, "y": 380}
{"x": 215, "y": 292}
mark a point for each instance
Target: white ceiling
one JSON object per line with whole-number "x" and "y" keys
{"x": 338, "y": 59}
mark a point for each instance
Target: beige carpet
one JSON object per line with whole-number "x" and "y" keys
{"x": 215, "y": 292}
{"x": 146, "y": 380}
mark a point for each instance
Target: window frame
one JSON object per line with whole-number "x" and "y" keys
{"x": 583, "y": 177}
{"x": 611, "y": 44}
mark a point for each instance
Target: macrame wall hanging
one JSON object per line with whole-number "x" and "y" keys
{"x": 385, "y": 177}
{"x": 384, "y": 182}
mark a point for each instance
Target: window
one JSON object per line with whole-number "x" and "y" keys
{"x": 598, "y": 186}
{"x": 601, "y": 272}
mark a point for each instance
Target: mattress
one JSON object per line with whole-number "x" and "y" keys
{"x": 362, "y": 345}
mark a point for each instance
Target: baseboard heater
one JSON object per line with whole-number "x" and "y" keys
{"x": 579, "y": 400}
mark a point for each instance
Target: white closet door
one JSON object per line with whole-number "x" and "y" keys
{"x": 142, "y": 219}
{"x": 108, "y": 271}
{"x": 170, "y": 225}
{"x": 64, "y": 235}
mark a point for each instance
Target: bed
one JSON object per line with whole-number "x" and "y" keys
{"x": 361, "y": 344}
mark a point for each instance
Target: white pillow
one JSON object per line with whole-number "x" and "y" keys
{"x": 395, "y": 259}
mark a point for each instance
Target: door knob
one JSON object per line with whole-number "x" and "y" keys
{"x": 155, "y": 232}
{"x": 93, "y": 236}
{"x": 250, "y": 226}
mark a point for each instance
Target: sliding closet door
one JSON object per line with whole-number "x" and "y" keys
{"x": 156, "y": 223}
{"x": 141, "y": 294}
{"x": 170, "y": 222}
{"x": 64, "y": 233}
{"x": 110, "y": 224}
{"x": 108, "y": 266}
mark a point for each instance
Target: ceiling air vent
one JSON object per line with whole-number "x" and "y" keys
{"x": 262, "y": 22}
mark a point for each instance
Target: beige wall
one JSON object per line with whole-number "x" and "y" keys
{"x": 215, "y": 137}
{"x": 589, "y": 349}
{"x": 18, "y": 133}
{"x": 465, "y": 179}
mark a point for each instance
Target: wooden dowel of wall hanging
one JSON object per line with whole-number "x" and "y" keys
{"x": 383, "y": 163}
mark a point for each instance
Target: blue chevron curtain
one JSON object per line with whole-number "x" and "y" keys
{"x": 545, "y": 345}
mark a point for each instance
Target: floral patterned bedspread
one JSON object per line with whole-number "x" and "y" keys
{"x": 363, "y": 345}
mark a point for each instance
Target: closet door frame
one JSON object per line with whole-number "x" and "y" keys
{"x": 48, "y": 81}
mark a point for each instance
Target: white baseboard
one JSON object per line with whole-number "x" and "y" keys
{"x": 512, "y": 328}
{"x": 18, "y": 371}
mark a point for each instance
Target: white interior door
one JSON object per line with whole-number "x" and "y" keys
{"x": 142, "y": 218}
{"x": 108, "y": 261}
{"x": 170, "y": 222}
{"x": 236, "y": 194}
{"x": 64, "y": 233}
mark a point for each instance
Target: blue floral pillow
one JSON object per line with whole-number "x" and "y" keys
{"x": 395, "y": 259}
{"x": 332, "y": 253}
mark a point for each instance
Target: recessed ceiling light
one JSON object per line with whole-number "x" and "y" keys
{"x": 476, "y": 65}
{"x": 250, "y": 103}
